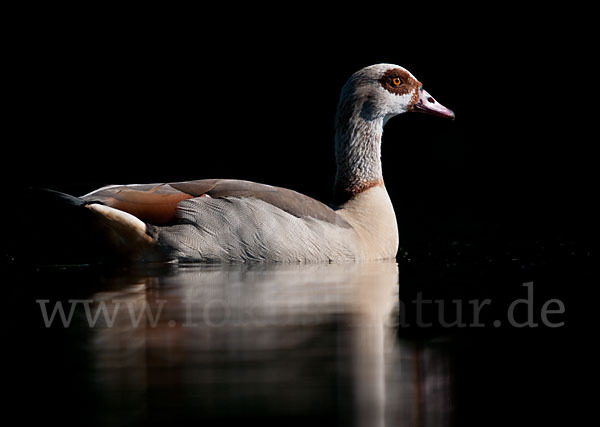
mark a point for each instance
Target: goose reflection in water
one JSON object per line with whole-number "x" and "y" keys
{"x": 259, "y": 342}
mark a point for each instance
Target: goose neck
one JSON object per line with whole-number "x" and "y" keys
{"x": 358, "y": 154}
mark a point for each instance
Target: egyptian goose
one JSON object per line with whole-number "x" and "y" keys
{"x": 223, "y": 220}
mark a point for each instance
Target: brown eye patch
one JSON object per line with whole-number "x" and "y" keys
{"x": 398, "y": 81}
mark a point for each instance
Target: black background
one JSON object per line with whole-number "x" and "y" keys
{"x": 500, "y": 196}
{"x": 96, "y": 104}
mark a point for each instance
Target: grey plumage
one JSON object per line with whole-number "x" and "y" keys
{"x": 240, "y": 229}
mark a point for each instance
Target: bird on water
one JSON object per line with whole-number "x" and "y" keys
{"x": 225, "y": 220}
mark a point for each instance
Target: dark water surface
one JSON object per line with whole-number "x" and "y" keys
{"x": 331, "y": 344}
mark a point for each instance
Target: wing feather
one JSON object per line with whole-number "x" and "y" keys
{"x": 157, "y": 203}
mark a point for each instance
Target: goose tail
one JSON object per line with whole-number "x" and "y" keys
{"x": 52, "y": 228}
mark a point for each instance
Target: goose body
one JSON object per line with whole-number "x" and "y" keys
{"x": 223, "y": 220}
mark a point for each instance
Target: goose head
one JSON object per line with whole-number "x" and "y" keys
{"x": 370, "y": 97}
{"x": 383, "y": 91}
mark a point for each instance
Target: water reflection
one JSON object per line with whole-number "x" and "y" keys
{"x": 271, "y": 343}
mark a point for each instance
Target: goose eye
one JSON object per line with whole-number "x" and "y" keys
{"x": 397, "y": 81}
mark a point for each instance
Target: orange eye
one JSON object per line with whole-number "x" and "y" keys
{"x": 397, "y": 81}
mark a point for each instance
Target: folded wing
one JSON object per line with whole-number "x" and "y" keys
{"x": 157, "y": 203}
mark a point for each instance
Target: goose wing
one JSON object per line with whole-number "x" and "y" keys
{"x": 157, "y": 203}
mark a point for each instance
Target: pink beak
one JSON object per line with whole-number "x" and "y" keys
{"x": 426, "y": 104}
